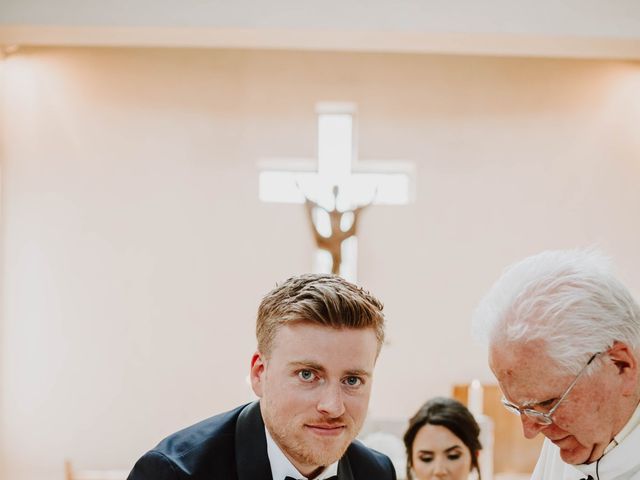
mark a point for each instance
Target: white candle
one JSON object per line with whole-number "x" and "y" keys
{"x": 475, "y": 398}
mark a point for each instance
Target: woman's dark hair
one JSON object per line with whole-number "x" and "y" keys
{"x": 448, "y": 413}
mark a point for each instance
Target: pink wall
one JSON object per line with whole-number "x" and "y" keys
{"x": 135, "y": 250}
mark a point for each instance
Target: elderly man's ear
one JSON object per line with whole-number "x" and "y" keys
{"x": 624, "y": 358}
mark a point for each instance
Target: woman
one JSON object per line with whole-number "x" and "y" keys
{"x": 442, "y": 442}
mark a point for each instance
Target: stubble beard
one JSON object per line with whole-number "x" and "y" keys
{"x": 299, "y": 444}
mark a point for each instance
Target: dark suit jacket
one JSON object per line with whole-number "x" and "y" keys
{"x": 233, "y": 446}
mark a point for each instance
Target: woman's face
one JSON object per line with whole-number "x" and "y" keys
{"x": 439, "y": 454}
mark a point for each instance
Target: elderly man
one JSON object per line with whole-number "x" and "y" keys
{"x": 564, "y": 345}
{"x": 318, "y": 340}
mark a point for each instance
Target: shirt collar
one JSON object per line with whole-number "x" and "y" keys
{"x": 633, "y": 422}
{"x": 282, "y": 467}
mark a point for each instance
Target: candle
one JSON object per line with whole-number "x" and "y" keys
{"x": 475, "y": 398}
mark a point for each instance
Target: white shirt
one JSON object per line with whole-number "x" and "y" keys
{"x": 281, "y": 467}
{"x": 620, "y": 462}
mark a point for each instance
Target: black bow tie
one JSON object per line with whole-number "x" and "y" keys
{"x": 330, "y": 478}
{"x": 588, "y": 478}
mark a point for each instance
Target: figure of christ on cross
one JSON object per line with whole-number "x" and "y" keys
{"x": 333, "y": 242}
{"x": 329, "y": 217}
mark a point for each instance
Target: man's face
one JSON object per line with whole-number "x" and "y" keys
{"x": 314, "y": 388}
{"x": 586, "y": 420}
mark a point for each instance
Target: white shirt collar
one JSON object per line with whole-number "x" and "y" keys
{"x": 282, "y": 467}
{"x": 633, "y": 422}
{"x": 620, "y": 462}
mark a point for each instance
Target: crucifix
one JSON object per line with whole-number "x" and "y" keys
{"x": 336, "y": 193}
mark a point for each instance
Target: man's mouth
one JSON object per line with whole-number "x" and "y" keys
{"x": 326, "y": 429}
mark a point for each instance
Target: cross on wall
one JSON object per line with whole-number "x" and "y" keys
{"x": 359, "y": 182}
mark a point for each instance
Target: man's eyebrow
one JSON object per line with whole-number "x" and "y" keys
{"x": 306, "y": 364}
{"x": 358, "y": 373}
{"x": 535, "y": 403}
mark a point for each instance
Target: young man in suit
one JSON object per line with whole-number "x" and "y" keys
{"x": 318, "y": 340}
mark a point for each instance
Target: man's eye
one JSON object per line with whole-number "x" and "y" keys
{"x": 547, "y": 403}
{"x": 353, "y": 381}
{"x": 306, "y": 375}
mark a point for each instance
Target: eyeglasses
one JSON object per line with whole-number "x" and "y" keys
{"x": 544, "y": 418}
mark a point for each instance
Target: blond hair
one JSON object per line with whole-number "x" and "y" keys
{"x": 321, "y": 299}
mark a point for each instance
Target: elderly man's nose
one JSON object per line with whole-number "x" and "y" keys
{"x": 530, "y": 428}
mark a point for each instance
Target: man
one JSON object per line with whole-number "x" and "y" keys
{"x": 318, "y": 340}
{"x": 564, "y": 345}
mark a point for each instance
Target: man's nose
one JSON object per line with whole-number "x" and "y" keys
{"x": 530, "y": 428}
{"x": 331, "y": 402}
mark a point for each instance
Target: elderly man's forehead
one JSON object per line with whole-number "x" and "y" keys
{"x": 525, "y": 373}
{"x": 509, "y": 358}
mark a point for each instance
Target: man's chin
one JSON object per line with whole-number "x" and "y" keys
{"x": 321, "y": 458}
{"x": 573, "y": 452}
{"x": 327, "y": 448}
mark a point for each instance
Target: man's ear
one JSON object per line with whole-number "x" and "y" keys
{"x": 623, "y": 357}
{"x": 258, "y": 366}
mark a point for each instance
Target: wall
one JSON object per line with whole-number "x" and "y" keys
{"x": 2, "y": 163}
{"x": 136, "y": 251}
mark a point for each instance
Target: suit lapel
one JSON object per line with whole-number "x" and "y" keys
{"x": 252, "y": 461}
{"x": 344, "y": 469}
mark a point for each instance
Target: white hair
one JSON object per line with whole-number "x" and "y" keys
{"x": 569, "y": 299}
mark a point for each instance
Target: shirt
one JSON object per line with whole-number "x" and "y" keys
{"x": 621, "y": 462}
